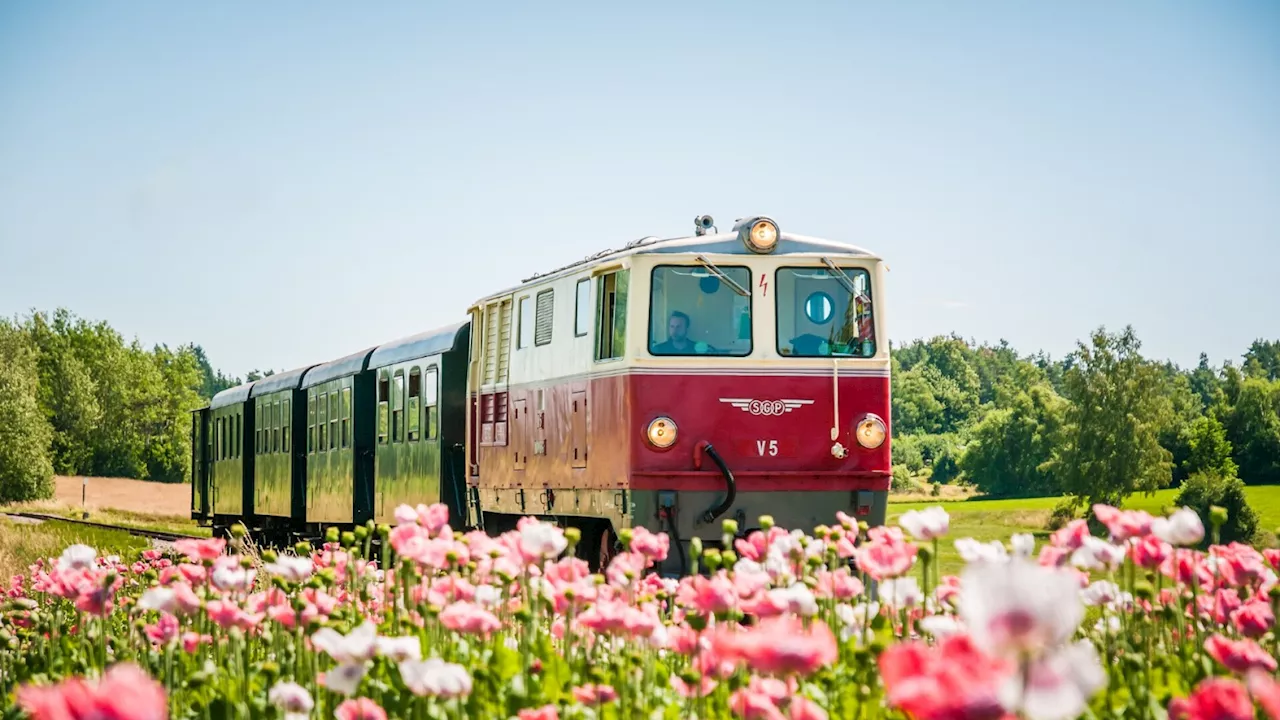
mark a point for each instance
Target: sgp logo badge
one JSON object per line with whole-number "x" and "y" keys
{"x": 765, "y": 407}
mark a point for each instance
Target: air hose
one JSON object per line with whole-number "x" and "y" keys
{"x": 731, "y": 488}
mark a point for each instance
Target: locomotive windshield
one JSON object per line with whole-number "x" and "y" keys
{"x": 825, "y": 313}
{"x": 692, "y": 311}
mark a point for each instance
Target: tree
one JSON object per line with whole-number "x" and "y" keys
{"x": 1210, "y": 451}
{"x": 1262, "y": 360}
{"x": 1111, "y": 446}
{"x": 25, "y": 470}
{"x": 1010, "y": 451}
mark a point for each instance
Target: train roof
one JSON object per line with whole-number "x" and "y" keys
{"x": 352, "y": 364}
{"x": 280, "y": 381}
{"x": 431, "y": 342}
{"x": 725, "y": 243}
{"x": 231, "y": 396}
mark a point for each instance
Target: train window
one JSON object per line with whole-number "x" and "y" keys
{"x": 333, "y": 420}
{"x": 582, "y": 308}
{"x": 285, "y": 421}
{"x": 322, "y": 422}
{"x": 824, "y": 314}
{"x": 414, "y": 409}
{"x": 397, "y": 407}
{"x": 257, "y": 430}
{"x": 239, "y": 435}
{"x": 544, "y": 323}
{"x": 695, "y": 311}
{"x": 384, "y": 403}
{"x": 311, "y": 421}
{"x": 275, "y": 426}
{"x": 611, "y": 315}
{"x": 524, "y": 338}
{"x": 346, "y": 417}
{"x": 433, "y": 421}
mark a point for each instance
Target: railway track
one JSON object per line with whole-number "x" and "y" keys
{"x": 139, "y": 532}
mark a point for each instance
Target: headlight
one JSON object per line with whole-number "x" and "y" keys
{"x": 662, "y": 432}
{"x": 870, "y": 431}
{"x": 759, "y": 234}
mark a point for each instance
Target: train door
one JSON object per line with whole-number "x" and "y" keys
{"x": 201, "y": 461}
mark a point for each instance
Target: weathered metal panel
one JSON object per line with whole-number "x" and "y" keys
{"x": 231, "y": 396}
{"x": 330, "y": 462}
{"x": 405, "y": 470}
{"x": 414, "y": 347}
{"x": 342, "y": 367}
{"x": 289, "y": 380}
{"x": 233, "y": 459}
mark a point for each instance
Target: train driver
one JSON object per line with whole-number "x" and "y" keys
{"x": 678, "y": 342}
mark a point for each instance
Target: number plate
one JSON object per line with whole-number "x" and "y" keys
{"x": 766, "y": 447}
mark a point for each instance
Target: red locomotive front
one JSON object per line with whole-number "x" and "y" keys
{"x": 712, "y": 377}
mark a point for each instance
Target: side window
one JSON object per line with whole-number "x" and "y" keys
{"x": 275, "y": 426}
{"x": 322, "y": 422}
{"x": 397, "y": 407}
{"x": 257, "y": 429}
{"x": 433, "y": 429}
{"x": 346, "y": 417}
{"x": 525, "y": 337}
{"x": 546, "y": 311}
{"x": 239, "y": 435}
{"x": 333, "y": 420}
{"x": 217, "y": 439}
{"x": 311, "y": 421}
{"x": 582, "y": 308}
{"x": 611, "y": 315}
{"x": 414, "y": 409}
{"x": 384, "y": 408}
{"x": 285, "y": 420}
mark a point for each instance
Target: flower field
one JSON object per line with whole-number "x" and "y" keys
{"x": 841, "y": 622}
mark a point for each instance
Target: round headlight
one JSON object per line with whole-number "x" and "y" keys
{"x": 870, "y": 432}
{"x": 763, "y": 236}
{"x": 662, "y": 432}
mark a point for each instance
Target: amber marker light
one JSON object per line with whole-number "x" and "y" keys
{"x": 662, "y": 432}
{"x": 870, "y": 432}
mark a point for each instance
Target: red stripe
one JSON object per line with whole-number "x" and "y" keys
{"x": 762, "y": 482}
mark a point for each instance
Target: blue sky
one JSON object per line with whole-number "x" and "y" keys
{"x": 288, "y": 182}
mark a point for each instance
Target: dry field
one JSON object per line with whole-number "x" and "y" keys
{"x": 122, "y": 494}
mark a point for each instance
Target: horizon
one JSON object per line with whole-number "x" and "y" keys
{"x": 211, "y": 174}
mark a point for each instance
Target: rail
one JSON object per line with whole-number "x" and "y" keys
{"x": 139, "y": 532}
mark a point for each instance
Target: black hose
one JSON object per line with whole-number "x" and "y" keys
{"x": 675, "y": 537}
{"x": 731, "y": 487}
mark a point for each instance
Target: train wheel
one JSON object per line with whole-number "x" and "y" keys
{"x": 608, "y": 547}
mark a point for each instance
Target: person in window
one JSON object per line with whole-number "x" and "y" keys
{"x": 678, "y": 342}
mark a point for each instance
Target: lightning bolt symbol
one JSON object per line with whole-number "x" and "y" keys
{"x": 764, "y": 283}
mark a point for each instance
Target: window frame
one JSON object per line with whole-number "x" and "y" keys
{"x": 582, "y": 308}
{"x": 777, "y": 312}
{"x": 383, "y": 420}
{"x": 344, "y": 407}
{"x": 286, "y": 420}
{"x": 523, "y": 343}
{"x": 412, "y": 409}
{"x": 397, "y": 407}
{"x": 311, "y": 421}
{"x": 334, "y": 409}
{"x": 431, "y": 402}
{"x": 322, "y": 422}
{"x": 618, "y": 351}
{"x": 751, "y": 313}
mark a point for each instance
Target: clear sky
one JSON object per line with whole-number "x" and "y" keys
{"x": 288, "y": 182}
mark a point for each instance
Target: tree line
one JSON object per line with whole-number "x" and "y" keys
{"x": 77, "y": 399}
{"x": 1095, "y": 426}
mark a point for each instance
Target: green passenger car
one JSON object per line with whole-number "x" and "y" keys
{"x": 231, "y": 486}
{"x": 420, "y": 422}
{"x": 279, "y": 453}
{"x": 339, "y": 451}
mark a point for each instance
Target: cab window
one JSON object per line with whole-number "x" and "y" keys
{"x": 823, "y": 314}
{"x": 692, "y": 311}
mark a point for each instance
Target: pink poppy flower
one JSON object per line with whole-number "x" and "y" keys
{"x": 125, "y": 692}
{"x": 360, "y": 709}
{"x": 200, "y": 550}
{"x": 1239, "y": 656}
{"x": 1214, "y": 699}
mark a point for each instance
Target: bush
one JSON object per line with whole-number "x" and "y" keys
{"x": 902, "y": 481}
{"x": 945, "y": 469}
{"x": 26, "y": 472}
{"x": 907, "y": 452}
{"x": 1206, "y": 489}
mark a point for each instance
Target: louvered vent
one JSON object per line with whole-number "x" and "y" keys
{"x": 490, "y": 344}
{"x": 504, "y": 342}
{"x": 545, "y": 312}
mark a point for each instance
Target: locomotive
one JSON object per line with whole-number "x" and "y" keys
{"x": 670, "y": 384}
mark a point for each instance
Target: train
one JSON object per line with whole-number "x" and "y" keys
{"x": 667, "y": 384}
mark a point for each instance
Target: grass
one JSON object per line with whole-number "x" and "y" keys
{"x": 112, "y": 516}
{"x": 986, "y": 520}
{"x": 22, "y": 543}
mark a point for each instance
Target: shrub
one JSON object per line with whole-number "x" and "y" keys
{"x": 945, "y": 469}
{"x": 1205, "y": 489}
{"x": 902, "y": 481}
{"x": 907, "y": 452}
